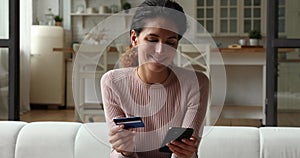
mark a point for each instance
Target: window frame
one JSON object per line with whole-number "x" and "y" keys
{"x": 13, "y": 45}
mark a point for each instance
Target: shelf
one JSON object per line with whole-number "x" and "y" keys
{"x": 96, "y": 14}
{"x": 105, "y": 15}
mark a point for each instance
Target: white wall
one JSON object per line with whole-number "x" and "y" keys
{"x": 40, "y": 7}
{"x": 66, "y": 14}
{"x": 4, "y": 19}
{"x": 188, "y": 6}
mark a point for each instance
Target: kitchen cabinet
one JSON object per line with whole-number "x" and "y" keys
{"x": 241, "y": 88}
{"x": 93, "y": 13}
{"x": 246, "y": 80}
{"x": 230, "y": 17}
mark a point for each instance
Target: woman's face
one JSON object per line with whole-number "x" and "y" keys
{"x": 156, "y": 44}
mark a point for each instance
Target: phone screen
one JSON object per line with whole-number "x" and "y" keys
{"x": 175, "y": 133}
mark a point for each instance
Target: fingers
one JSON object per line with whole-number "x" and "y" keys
{"x": 124, "y": 141}
{"x": 121, "y": 139}
{"x": 191, "y": 142}
{"x": 185, "y": 147}
{"x": 121, "y": 135}
{"x": 116, "y": 129}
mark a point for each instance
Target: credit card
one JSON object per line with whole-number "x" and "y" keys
{"x": 129, "y": 122}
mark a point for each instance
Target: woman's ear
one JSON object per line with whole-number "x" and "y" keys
{"x": 133, "y": 38}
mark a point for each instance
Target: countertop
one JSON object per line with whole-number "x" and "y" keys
{"x": 241, "y": 50}
{"x": 250, "y": 50}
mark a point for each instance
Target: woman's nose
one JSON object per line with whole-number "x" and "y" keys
{"x": 159, "y": 48}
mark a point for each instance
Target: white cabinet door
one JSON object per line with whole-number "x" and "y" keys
{"x": 230, "y": 17}
{"x": 205, "y": 15}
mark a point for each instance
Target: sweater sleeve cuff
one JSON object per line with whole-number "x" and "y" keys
{"x": 115, "y": 154}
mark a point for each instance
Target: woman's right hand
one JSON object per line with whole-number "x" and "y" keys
{"x": 122, "y": 140}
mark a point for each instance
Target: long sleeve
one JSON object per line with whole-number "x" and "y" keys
{"x": 115, "y": 154}
{"x": 109, "y": 97}
{"x": 197, "y": 105}
{"x": 174, "y": 103}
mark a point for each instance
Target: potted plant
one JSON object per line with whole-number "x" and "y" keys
{"x": 58, "y": 20}
{"x": 126, "y": 6}
{"x": 254, "y": 37}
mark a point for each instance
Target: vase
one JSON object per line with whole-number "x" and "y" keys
{"x": 253, "y": 42}
{"x": 58, "y": 23}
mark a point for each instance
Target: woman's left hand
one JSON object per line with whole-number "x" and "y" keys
{"x": 185, "y": 148}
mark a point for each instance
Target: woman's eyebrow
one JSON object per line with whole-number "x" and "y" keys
{"x": 155, "y": 35}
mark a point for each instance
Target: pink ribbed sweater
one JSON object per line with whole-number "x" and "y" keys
{"x": 180, "y": 101}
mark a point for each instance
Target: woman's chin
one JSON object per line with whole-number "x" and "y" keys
{"x": 156, "y": 67}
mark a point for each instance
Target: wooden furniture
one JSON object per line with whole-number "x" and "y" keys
{"x": 241, "y": 89}
{"x": 246, "y": 83}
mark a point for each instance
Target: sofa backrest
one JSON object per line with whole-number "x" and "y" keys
{"x": 9, "y": 132}
{"x": 90, "y": 140}
{"x": 283, "y": 142}
{"x": 229, "y": 142}
{"x": 53, "y": 140}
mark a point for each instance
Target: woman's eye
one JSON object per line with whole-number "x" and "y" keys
{"x": 171, "y": 43}
{"x": 152, "y": 40}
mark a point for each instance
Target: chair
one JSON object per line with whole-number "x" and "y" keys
{"x": 197, "y": 57}
{"x": 89, "y": 66}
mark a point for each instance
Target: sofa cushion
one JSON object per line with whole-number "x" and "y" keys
{"x": 92, "y": 141}
{"x": 9, "y": 131}
{"x": 283, "y": 142}
{"x": 229, "y": 142}
{"x": 47, "y": 139}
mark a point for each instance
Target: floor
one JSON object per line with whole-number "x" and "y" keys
{"x": 49, "y": 115}
{"x": 289, "y": 118}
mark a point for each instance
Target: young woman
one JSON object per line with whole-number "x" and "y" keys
{"x": 162, "y": 94}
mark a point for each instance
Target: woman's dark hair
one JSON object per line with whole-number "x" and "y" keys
{"x": 149, "y": 9}
{"x": 159, "y": 8}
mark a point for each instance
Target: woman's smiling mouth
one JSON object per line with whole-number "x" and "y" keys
{"x": 155, "y": 59}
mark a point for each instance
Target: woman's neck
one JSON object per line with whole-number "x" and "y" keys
{"x": 152, "y": 77}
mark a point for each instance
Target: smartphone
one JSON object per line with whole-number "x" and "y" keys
{"x": 175, "y": 133}
{"x": 129, "y": 122}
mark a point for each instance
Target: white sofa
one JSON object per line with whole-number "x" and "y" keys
{"x": 76, "y": 140}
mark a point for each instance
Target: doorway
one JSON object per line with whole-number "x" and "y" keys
{"x": 283, "y": 63}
